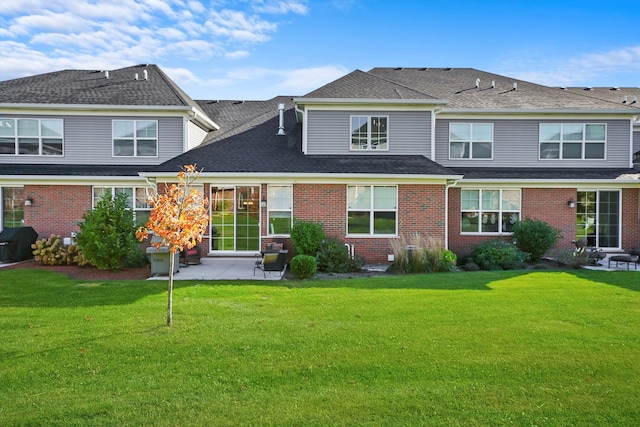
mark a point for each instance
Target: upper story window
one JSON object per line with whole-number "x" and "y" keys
{"x": 489, "y": 211}
{"x": 135, "y": 138}
{"x": 280, "y": 209}
{"x": 572, "y": 140}
{"x": 372, "y": 210}
{"x": 470, "y": 140}
{"x": 369, "y": 133}
{"x": 34, "y": 137}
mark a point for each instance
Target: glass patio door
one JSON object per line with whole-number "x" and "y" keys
{"x": 598, "y": 218}
{"x": 235, "y": 218}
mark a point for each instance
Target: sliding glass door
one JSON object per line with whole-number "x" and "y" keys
{"x": 598, "y": 218}
{"x": 235, "y": 218}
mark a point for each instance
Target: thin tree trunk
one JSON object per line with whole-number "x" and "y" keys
{"x": 170, "y": 290}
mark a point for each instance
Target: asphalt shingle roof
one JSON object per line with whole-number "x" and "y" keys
{"x": 258, "y": 149}
{"x": 91, "y": 87}
{"x": 549, "y": 173}
{"x": 71, "y": 170}
{"x": 458, "y": 87}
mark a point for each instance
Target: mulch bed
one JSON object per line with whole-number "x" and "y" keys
{"x": 88, "y": 273}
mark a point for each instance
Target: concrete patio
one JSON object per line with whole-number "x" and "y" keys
{"x": 220, "y": 268}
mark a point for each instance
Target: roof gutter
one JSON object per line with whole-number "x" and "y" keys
{"x": 203, "y": 119}
{"x": 360, "y": 101}
{"x": 298, "y": 177}
{"x": 533, "y": 111}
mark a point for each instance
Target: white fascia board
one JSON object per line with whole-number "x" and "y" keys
{"x": 117, "y": 110}
{"x": 533, "y": 113}
{"x": 548, "y": 183}
{"x": 93, "y": 107}
{"x": 69, "y": 179}
{"x": 241, "y": 178}
{"x": 367, "y": 101}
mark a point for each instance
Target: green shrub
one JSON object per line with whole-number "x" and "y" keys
{"x": 535, "y": 237}
{"x": 303, "y": 266}
{"x": 333, "y": 257}
{"x": 439, "y": 260}
{"x": 306, "y": 237}
{"x": 107, "y": 236}
{"x": 498, "y": 255}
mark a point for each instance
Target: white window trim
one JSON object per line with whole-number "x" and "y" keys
{"x": 113, "y": 189}
{"x": 40, "y": 137}
{"x": 135, "y": 139}
{"x": 480, "y": 211}
{"x": 269, "y": 210}
{"x": 368, "y": 149}
{"x": 371, "y": 211}
{"x": 561, "y": 141}
{"x": 471, "y": 141}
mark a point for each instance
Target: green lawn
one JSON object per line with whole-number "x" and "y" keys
{"x": 455, "y": 349}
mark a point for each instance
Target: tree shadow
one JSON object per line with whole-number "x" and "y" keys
{"x": 623, "y": 279}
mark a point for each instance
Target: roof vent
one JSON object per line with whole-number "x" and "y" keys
{"x": 399, "y": 68}
{"x": 493, "y": 83}
{"x": 624, "y": 99}
{"x": 615, "y": 88}
{"x": 106, "y": 74}
{"x": 588, "y": 88}
{"x": 515, "y": 85}
{"x": 635, "y": 99}
{"x": 281, "y": 124}
{"x": 145, "y": 74}
{"x": 135, "y": 76}
{"x": 477, "y": 82}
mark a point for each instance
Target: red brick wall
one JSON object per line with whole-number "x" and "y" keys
{"x": 545, "y": 204}
{"x": 420, "y": 210}
{"x": 56, "y": 209}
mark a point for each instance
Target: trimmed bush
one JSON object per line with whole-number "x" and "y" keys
{"x": 107, "y": 236}
{"x": 333, "y": 257}
{"x": 498, "y": 255}
{"x": 535, "y": 237}
{"x": 306, "y": 237}
{"x": 303, "y": 266}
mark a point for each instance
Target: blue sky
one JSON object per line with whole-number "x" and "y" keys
{"x": 257, "y": 49}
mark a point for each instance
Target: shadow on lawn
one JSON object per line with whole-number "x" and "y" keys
{"x": 36, "y": 288}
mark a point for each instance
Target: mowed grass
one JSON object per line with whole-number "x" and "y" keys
{"x": 458, "y": 349}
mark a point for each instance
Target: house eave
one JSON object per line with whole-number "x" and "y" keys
{"x": 360, "y": 101}
{"x": 499, "y": 111}
{"x": 304, "y": 178}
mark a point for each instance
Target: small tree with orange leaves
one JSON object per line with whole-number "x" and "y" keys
{"x": 179, "y": 217}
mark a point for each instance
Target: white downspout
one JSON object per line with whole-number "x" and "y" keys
{"x": 304, "y": 128}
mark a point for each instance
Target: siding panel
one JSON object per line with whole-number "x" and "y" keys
{"x": 516, "y": 143}
{"x": 328, "y": 132}
{"x": 88, "y": 141}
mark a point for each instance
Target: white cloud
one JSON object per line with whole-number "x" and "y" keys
{"x": 582, "y": 69}
{"x": 281, "y": 7}
{"x": 237, "y": 54}
{"x": 304, "y": 80}
{"x": 236, "y": 25}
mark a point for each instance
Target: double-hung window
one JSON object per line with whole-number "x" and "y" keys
{"x": 280, "y": 209}
{"x": 31, "y": 137}
{"x": 372, "y": 210}
{"x": 369, "y": 133}
{"x": 137, "y": 199}
{"x": 135, "y": 138}
{"x": 470, "y": 140}
{"x": 490, "y": 211}
{"x": 572, "y": 140}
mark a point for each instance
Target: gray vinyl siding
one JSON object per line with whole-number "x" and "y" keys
{"x": 329, "y": 132}
{"x": 636, "y": 142}
{"x": 88, "y": 140}
{"x": 516, "y": 143}
{"x": 195, "y": 135}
